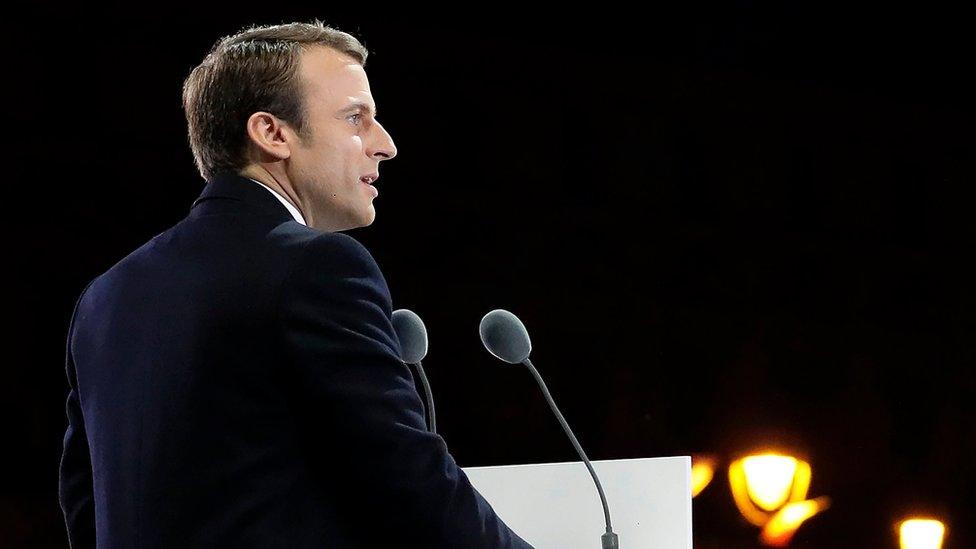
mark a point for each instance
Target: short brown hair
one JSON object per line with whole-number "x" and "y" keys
{"x": 253, "y": 70}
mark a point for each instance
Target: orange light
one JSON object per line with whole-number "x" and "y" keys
{"x": 770, "y": 490}
{"x": 769, "y": 479}
{"x": 702, "y": 472}
{"x": 780, "y": 529}
{"x": 919, "y": 533}
{"x": 763, "y": 483}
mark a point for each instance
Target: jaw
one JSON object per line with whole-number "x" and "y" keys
{"x": 348, "y": 221}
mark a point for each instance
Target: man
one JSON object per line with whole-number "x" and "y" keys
{"x": 235, "y": 381}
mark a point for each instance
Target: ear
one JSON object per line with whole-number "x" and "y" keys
{"x": 270, "y": 135}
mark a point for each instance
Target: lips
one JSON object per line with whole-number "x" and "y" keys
{"x": 368, "y": 180}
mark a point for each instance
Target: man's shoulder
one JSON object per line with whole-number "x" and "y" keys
{"x": 186, "y": 258}
{"x": 338, "y": 253}
{"x": 333, "y": 264}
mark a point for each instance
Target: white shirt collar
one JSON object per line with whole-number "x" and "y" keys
{"x": 294, "y": 211}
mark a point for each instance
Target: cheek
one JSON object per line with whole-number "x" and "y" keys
{"x": 351, "y": 154}
{"x": 334, "y": 158}
{"x": 356, "y": 144}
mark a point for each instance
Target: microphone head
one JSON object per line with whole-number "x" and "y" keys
{"x": 412, "y": 334}
{"x": 504, "y": 335}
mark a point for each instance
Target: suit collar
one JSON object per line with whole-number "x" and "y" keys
{"x": 234, "y": 192}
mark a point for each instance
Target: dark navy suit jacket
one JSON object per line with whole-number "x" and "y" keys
{"x": 236, "y": 382}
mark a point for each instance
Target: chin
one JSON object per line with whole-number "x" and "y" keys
{"x": 368, "y": 218}
{"x": 359, "y": 222}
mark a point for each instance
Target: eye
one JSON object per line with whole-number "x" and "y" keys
{"x": 360, "y": 116}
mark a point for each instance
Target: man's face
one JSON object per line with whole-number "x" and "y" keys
{"x": 345, "y": 143}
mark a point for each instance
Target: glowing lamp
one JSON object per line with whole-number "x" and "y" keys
{"x": 918, "y": 533}
{"x": 770, "y": 490}
{"x": 781, "y": 526}
{"x": 702, "y": 472}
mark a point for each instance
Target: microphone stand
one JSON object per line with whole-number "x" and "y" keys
{"x": 432, "y": 417}
{"x": 609, "y": 539}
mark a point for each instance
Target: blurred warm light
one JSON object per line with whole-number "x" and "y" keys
{"x": 770, "y": 490}
{"x": 769, "y": 479}
{"x": 780, "y": 529}
{"x": 763, "y": 483}
{"x": 702, "y": 471}
{"x": 921, "y": 534}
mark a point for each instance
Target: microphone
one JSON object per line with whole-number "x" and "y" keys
{"x": 412, "y": 334}
{"x": 504, "y": 335}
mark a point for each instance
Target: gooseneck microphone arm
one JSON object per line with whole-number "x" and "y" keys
{"x": 504, "y": 336}
{"x": 432, "y": 416}
{"x": 609, "y": 538}
{"x": 412, "y": 336}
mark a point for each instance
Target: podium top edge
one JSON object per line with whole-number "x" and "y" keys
{"x": 686, "y": 459}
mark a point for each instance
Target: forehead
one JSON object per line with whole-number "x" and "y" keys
{"x": 333, "y": 78}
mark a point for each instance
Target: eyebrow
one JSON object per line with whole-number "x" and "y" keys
{"x": 360, "y": 106}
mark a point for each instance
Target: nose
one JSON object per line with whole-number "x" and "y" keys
{"x": 381, "y": 147}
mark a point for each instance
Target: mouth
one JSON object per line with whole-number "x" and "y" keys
{"x": 368, "y": 180}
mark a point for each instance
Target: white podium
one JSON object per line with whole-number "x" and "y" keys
{"x": 556, "y": 505}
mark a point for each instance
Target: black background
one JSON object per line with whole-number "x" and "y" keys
{"x": 725, "y": 230}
